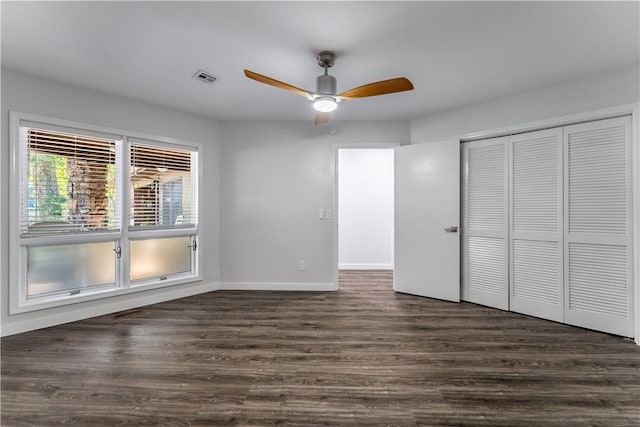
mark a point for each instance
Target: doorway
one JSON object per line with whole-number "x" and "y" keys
{"x": 365, "y": 209}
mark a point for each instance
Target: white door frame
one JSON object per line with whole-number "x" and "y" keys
{"x": 604, "y": 113}
{"x": 635, "y": 152}
{"x": 336, "y": 147}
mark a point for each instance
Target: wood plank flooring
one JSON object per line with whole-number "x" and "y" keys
{"x": 362, "y": 356}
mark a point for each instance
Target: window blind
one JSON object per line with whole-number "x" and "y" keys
{"x": 162, "y": 193}
{"x": 70, "y": 182}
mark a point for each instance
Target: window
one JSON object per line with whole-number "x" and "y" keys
{"x": 75, "y": 238}
{"x": 69, "y": 268}
{"x": 162, "y": 200}
{"x": 160, "y": 257}
{"x": 161, "y": 186}
{"x": 71, "y": 182}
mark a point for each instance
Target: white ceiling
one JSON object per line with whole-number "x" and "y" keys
{"x": 455, "y": 53}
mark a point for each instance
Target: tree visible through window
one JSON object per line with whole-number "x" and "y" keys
{"x": 47, "y": 176}
{"x": 71, "y": 182}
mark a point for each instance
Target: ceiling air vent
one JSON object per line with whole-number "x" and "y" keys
{"x": 204, "y": 77}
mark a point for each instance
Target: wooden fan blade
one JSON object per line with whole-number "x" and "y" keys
{"x": 383, "y": 87}
{"x": 322, "y": 118}
{"x": 277, "y": 83}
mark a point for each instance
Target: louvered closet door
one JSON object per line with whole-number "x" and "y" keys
{"x": 484, "y": 270}
{"x": 597, "y": 250}
{"x": 536, "y": 224}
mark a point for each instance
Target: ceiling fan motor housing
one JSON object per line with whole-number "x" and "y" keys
{"x": 326, "y": 84}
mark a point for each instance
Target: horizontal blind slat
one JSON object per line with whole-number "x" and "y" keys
{"x": 70, "y": 183}
{"x": 162, "y": 186}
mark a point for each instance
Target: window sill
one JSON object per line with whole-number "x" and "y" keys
{"x": 44, "y": 303}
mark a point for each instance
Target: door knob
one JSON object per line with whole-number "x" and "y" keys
{"x": 452, "y": 229}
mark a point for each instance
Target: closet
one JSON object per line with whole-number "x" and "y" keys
{"x": 547, "y": 224}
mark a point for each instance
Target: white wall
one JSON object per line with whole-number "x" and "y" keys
{"x": 276, "y": 176}
{"x": 614, "y": 88}
{"x": 30, "y": 94}
{"x": 365, "y": 208}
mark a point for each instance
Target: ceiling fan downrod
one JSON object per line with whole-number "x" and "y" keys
{"x": 326, "y": 84}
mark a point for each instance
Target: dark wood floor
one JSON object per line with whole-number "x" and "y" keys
{"x": 362, "y": 356}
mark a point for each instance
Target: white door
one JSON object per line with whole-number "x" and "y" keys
{"x": 485, "y": 245}
{"x": 427, "y": 215}
{"x": 536, "y": 224}
{"x": 597, "y": 235}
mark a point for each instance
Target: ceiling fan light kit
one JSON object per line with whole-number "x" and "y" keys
{"x": 325, "y": 104}
{"x": 324, "y": 98}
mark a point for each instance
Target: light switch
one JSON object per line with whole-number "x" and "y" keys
{"x": 328, "y": 214}
{"x": 321, "y": 213}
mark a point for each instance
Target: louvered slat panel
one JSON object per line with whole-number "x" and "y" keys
{"x": 597, "y": 173}
{"x": 486, "y": 265}
{"x": 485, "y": 190}
{"x": 535, "y": 184}
{"x": 485, "y": 273}
{"x": 536, "y": 271}
{"x": 597, "y": 214}
{"x": 598, "y": 279}
{"x": 536, "y": 235}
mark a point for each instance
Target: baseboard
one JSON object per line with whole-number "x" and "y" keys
{"x": 277, "y": 286}
{"x": 80, "y": 311}
{"x": 345, "y": 266}
{"x": 105, "y": 306}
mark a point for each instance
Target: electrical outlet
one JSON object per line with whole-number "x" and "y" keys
{"x": 302, "y": 265}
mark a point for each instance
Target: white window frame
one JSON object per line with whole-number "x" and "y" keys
{"x": 18, "y": 301}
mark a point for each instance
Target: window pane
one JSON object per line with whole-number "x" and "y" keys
{"x": 162, "y": 186}
{"x": 160, "y": 257}
{"x": 69, "y": 267}
{"x": 172, "y": 202}
{"x": 70, "y": 183}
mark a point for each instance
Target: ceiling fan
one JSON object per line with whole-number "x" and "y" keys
{"x": 325, "y": 98}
